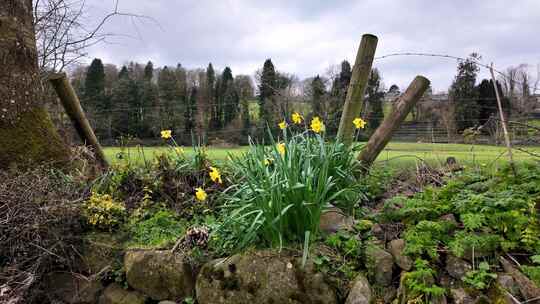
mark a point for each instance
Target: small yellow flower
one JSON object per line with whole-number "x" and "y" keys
{"x": 296, "y": 118}
{"x": 267, "y": 161}
{"x": 200, "y": 194}
{"x": 179, "y": 150}
{"x": 359, "y": 123}
{"x": 282, "y": 125}
{"x": 215, "y": 176}
{"x": 281, "y": 148}
{"x": 317, "y": 125}
{"x": 166, "y": 134}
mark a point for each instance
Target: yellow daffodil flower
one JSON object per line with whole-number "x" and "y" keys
{"x": 317, "y": 125}
{"x": 200, "y": 194}
{"x": 166, "y": 134}
{"x": 281, "y": 148}
{"x": 267, "y": 161}
{"x": 296, "y": 118}
{"x": 215, "y": 176}
{"x": 359, "y": 123}
{"x": 179, "y": 150}
{"x": 282, "y": 125}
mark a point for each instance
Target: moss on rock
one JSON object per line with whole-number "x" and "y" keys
{"x": 262, "y": 277}
{"x": 160, "y": 274}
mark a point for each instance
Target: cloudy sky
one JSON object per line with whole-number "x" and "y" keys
{"x": 305, "y": 37}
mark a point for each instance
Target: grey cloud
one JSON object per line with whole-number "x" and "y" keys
{"x": 304, "y": 37}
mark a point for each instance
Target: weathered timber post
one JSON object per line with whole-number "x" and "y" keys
{"x": 503, "y": 121}
{"x": 392, "y": 121}
{"x": 354, "y": 102}
{"x": 73, "y": 108}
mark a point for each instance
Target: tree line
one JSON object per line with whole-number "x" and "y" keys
{"x": 139, "y": 100}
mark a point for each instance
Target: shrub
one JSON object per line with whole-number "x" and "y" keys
{"x": 421, "y": 283}
{"x": 102, "y": 212}
{"x": 158, "y": 230}
{"x": 480, "y": 278}
{"x": 284, "y": 188}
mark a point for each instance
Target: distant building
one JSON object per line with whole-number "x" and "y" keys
{"x": 440, "y": 97}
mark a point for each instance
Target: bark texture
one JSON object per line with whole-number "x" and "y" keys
{"x": 27, "y": 135}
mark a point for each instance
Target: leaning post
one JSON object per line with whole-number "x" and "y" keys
{"x": 391, "y": 122}
{"x": 73, "y": 108}
{"x": 354, "y": 102}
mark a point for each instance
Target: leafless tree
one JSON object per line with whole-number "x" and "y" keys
{"x": 63, "y": 38}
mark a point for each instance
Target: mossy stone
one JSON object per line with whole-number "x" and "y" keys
{"x": 262, "y": 277}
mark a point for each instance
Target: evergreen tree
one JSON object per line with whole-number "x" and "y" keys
{"x": 266, "y": 95}
{"x": 95, "y": 102}
{"x": 338, "y": 93}
{"x": 125, "y": 104}
{"x": 228, "y": 97}
{"x": 149, "y": 104}
{"x": 149, "y": 71}
{"x": 463, "y": 93}
{"x": 95, "y": 82}
{"x": 168, "y": 93}
{"x": 191, "y": 111}
{"x": 124, "y": 73}
{"x": 215, "y": 120}
{"x": 394, "y": 90}
{"x": 345, "y": 77}
{"x": 244, "y": 88}
{"x": 487, "y": 100}
{"x": 317, "y": 91}
{"x": 374, "y": 98}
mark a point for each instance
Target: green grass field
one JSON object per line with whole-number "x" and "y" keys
{"x": 396, "y": 154}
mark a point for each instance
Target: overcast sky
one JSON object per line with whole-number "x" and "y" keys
{"x": 305, "y": 37}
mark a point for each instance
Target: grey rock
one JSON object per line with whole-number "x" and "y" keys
{"x": 378, "y": 232}
{"x": 460, "y": 296}
{"x": 160, "y": 274}
{"x": 380, "y": 264}
{"x": 115, "y": 294}
{"x": 73, "y": 289}
{"x": 456, "y": 267}
{"x": 334, "y": 220}
{"x": 263, "y": 276}
{"x": 528, "y": 288}
{"x": 389, "y": 294}
{"x": 360, "y": 293}
{"x": 508, "y": 283}
{"x": 396, "y": 248}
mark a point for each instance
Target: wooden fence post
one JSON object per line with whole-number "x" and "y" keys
{"x": 503, "y": 121}
{"x": 392, "y": 121}
{"x": 73, "y": 108}
{"x": 354, "y": 102}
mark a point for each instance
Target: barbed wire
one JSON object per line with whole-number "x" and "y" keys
{"x": 479, "y": 63}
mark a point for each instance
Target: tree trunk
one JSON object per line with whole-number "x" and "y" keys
{"x": 27, "y": 135}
